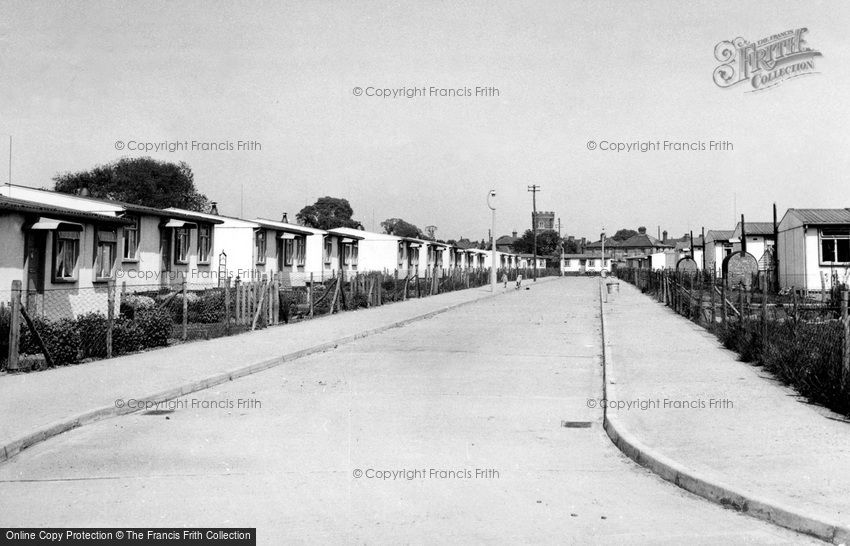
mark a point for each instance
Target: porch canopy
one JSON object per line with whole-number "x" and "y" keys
{"x": 50, "y": 224}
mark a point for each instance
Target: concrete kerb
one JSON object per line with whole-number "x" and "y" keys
{"x": 14, "y": 447}
{"x": 705, "y": 486}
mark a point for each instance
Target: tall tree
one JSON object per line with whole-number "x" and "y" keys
{"x": 328, "y": 213}
{"x": 138, "y": 180}
{"x": 623, "y": 234}
{"x": 400, "y": 228}
{"x": 547, "y": 242}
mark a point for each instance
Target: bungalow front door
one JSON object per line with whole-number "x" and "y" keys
{"x": 165, "y": 249}
{"x": 36, "y": 252}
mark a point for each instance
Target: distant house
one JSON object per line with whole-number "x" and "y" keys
{"x": 685, "y": 249}
{"x": 760, "y": 241}
{"x": 717, "y": 248}
{"x": 814, "y": 248}
{"x": 641, "y": 244}
{"x": 505, "y": 243}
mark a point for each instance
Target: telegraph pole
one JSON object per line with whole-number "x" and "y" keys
{"x": 534, "y": 188}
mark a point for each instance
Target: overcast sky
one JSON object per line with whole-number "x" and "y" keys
{"x": 76, "y": 79}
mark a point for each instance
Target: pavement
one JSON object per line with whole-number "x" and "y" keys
{"x": 477, "y": 425}
{"x": 41, "y": 405}
{"x": 682, "y": 405}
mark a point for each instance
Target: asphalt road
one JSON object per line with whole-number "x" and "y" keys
{"x": 446, "y": 430}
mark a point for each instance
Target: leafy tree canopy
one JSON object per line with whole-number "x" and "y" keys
{"x": 400, "y": 228}
{"x": 547, "y": 242}
{"x": 328, "y": 213}
{"x": 624, "y": 234}
{"x": 140, "y": 181}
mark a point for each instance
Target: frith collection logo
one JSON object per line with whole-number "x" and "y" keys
{"x": 766, "y": 63}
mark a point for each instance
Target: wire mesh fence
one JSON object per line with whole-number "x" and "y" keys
{"x": 801, "y": 336}
{"x": 61, "y": 326}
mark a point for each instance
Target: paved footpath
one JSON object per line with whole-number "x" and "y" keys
{"x": 40, "y": 405}
{"x": 699, "y": 409}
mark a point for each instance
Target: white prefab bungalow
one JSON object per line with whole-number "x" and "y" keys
{"x": 665, "y": 259}
{"x": 478, "y": 258}
{"x": 63, "y": 257}
{"x": 342, "y": 250}
{"x": 299, "y": 251}
{"x": 760, "y": 241}
{"x": 526, "y": 261}
{"x": 153, "y": 248}
{"x": 717, "y": 248}
{"x": 814, "y": 248}
{"x": 584, "y": 263}
{"x": 241, "y": 249}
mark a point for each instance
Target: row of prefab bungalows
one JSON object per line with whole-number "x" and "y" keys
{"x": 65, "y": 248}
{"x": 809, "y": 247}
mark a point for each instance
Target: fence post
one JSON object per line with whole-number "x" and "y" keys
{"x": 237, "y": 291}
{"x": 110, "y": 315}
{"x": 185, "y": 310}
{"x": 227, "y": 306}
{"x": 764, "y": 311}
{"x": 310, "y": 294}
{"x": 14, "y": 327}
{"x": 713, "y": 297}
{"x": 845, "y": 321}
{"x": 723, "y": 302}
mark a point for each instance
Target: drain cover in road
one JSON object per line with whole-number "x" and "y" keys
{"x": 575, "y": 424}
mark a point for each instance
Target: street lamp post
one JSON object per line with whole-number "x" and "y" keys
{"x": 492, "y": 193}
{"x": 602, "y": 269}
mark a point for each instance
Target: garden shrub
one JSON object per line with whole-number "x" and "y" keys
{"x": 92, "y": 328}
{"x": 61, "y": 338}
{"x": 127, "y": 336}
{"x": 155, "y": 326}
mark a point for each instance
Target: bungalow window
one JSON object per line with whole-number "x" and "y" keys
{"x": 204, "y": 244}
{"x": 414, "y": 257}
{"x": 835, "y": 246}
{"x": 66, "y": 251}
{"x": 260, "y": 246}
{"x": 181, "y": 245}
{"x": 104, "y": 258}
{"x": 350, "y": 254}
{"x": 300, "y": 251}
{"x": 329, "y": 248}
{"x": 130, "y": 252}
{"x": 401, "y": 255}
{"x": 288, "y": 252}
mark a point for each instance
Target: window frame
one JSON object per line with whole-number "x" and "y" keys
{"x": 839, "y": 235}
{"x": 181, "y": 252}
{"x": 288, "y": 252}
{"x": 136, "y": 229}
{"x": 260, "y": 246}
{"x": 327, "y": 250}
{"x": 300, "y": 251}
{"x": 205, "y": 259}
{"x": 75, "y": 273}
{"x": 101, "y": 242}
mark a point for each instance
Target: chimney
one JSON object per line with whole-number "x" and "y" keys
{"x": 214, "y": 208}
{"x": 664, "y": 233}
{"x": 284, "y": 219}
{"x": 514, "y": 235}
